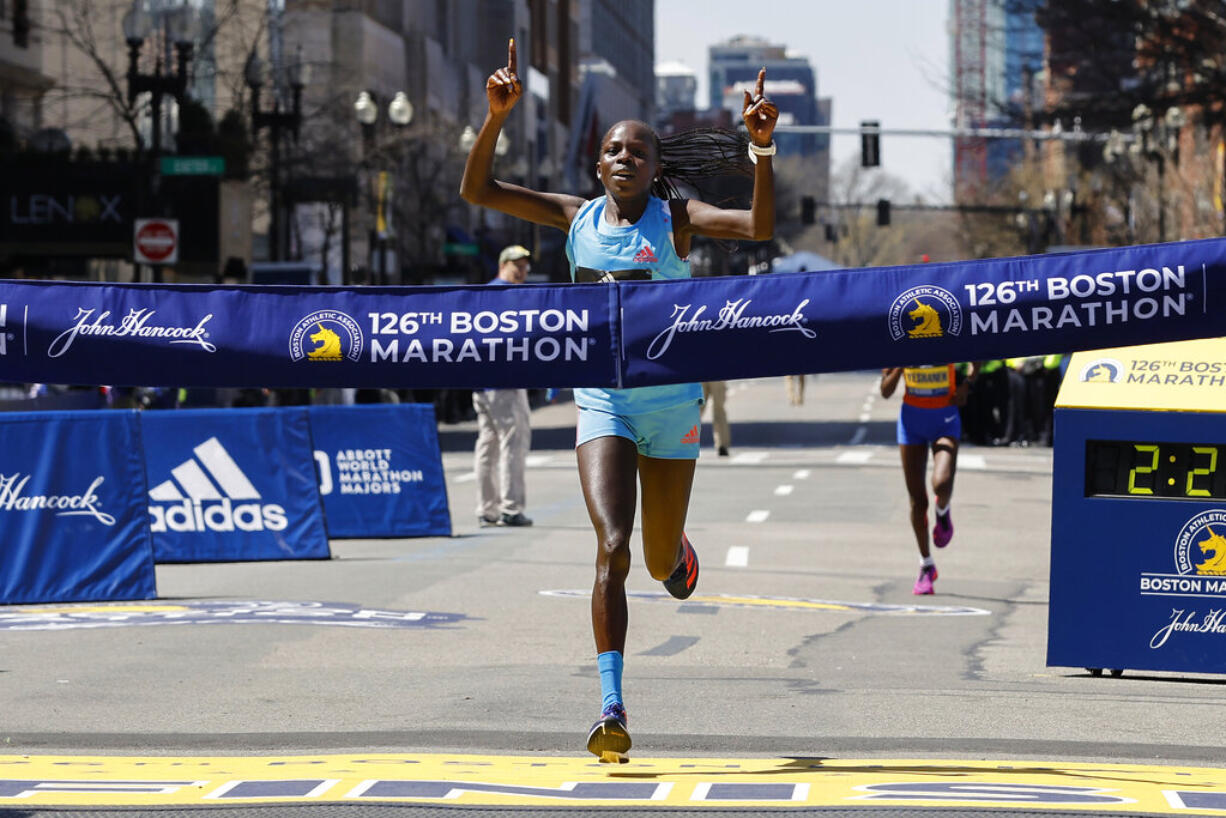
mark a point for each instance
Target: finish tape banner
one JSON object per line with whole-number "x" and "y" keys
{"x": 620, "y": 334}
{"x": 232, "y": 485}
{"x": 72, "y": 509}
{"x": 380, "y": 470}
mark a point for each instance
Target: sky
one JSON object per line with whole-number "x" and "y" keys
{"x": 886, "y": 60}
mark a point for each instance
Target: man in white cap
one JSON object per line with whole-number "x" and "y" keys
{"x": 504, "y": 432}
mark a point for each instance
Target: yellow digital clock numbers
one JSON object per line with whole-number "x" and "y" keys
{"x": 1165, "y": 471}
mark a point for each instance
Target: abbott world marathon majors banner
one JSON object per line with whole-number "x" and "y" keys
{"x": 72, "y": 512}
{"x": 380, "y": 471}
{"x": 232, "y": 485}
{"x": 617, "y": 334}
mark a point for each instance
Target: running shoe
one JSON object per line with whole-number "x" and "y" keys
{"x": 684, "y": 578}
{"x": 923, "y": 585}
{"x": 609, "y": 739}
{"x": 943, "y": 531}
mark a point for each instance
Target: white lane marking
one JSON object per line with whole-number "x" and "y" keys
{"x": 758, "y": 515}
{"x": 738, "y": 556}
{"x": 858, "y": 437}
{"x": 534, "y": 460}
{"x": 750, "y": 457}
{"x": 466, "y": 477}
{"x": 783, "y": 491}
{"x": 854, "y": 457}
{"x": 865, "y": 417}
{"x": 975, "y": 462}
{"x": 800, "y": 474}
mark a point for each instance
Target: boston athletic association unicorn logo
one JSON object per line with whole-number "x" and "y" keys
{"x": 328, "y": 345}
{"x": 927, "y": 321}
{"x": 326, "y": 335}
{"x": 1214, "y": 552}
{"x": 923, "y": 312}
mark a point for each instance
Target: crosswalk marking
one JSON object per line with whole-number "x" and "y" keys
{"x": 783, "y": 491}
{"x": 757, "y": 516}
{"x": 738, "y": 556}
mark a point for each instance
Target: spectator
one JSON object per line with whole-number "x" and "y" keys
{"x": 504, "y": 432}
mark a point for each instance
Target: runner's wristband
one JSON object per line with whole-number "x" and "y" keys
{"x": 757, "y": 150}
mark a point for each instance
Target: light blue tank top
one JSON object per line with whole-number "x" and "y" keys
{"x": 646, "y": 245}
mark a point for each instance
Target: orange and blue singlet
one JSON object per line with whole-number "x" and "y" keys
{"x": 929, "y": 411}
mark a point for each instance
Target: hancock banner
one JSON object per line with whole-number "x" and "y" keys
{"x": 618, "y": 334}
{"x": 72, "y": 512}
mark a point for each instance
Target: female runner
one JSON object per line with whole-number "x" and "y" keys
{"x": 639, "y": 228}
{"x": 929, "y": 419}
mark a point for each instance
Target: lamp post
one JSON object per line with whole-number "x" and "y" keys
{"x": 182, "y": 29}
{"x": 399, "y": 114}
{"x": 277, "y": 122}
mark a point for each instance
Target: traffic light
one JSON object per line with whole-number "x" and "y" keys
{"x": 883, "y": 212}
{"x": 870, "y": 143}
{"x": 808, "y": 210}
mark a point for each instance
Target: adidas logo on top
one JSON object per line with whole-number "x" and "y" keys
{"x": 645, "y": 255}
{"x": 212, "y": 497}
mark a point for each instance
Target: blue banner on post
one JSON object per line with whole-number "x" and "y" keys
{"x": 275, "y": 336}
{"x": 380, "y": 470}
{"x": 232, "y": 485}
{"x": 72, "y": 489}
{"x": 719, "y": 329}
{"x": 618, "y": 334}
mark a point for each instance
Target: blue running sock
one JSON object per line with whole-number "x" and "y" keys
{"x": 609, "y": 664}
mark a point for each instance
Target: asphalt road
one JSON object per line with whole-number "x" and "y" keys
{"x": 803, "y": 639}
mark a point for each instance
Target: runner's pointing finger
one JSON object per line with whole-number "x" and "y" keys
{"x": 760, "y": 88}
{"x": 511, "y": 60}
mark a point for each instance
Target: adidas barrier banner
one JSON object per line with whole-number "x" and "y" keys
{"x": 72, "y": 515}
{"x": 231, "y": 485}
{"x": 717, "y": 329}
{"x": 380, "y": 470}
{"x": 624, "y": 333}
{"x": 288, "y": 336}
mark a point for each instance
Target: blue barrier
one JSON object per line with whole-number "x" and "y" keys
{"x": 72, "y": 508}
{"x": 232, "y": 485}
{"x": 622, "y": 334}
{"x": 380, "y": 470}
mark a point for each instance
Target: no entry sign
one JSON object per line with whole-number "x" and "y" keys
{"x": 156, "y": 241}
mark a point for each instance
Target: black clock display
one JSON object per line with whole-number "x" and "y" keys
{"x": 1155, "y": 471}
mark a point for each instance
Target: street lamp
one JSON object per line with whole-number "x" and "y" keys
{"x": 399, "y": 114}
{"x": 276, "y": 121}
{"x": 182, "y": 29}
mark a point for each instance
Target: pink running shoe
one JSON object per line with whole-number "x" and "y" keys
{"x": 923, "y": 585}
{"x": 943, "y": 531}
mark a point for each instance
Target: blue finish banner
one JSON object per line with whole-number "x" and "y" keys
{"x": 719, "y": 329}
{"x": 71, "y": 508}
{"x": 232, "y": 485}
{"x": 380, "y": 470}
{"x": 286, "y": 336}
{"x": 619, "y": 334}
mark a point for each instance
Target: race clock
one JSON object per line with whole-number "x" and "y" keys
{"x": 1138, "y": 544}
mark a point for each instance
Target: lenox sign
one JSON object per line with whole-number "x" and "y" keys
{"x": 51, "y": 209}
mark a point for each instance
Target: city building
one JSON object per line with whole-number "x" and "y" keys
{"x": 791, "y": 83}
{"x": 676, "y": 89}
{"x": 996, "y": 64}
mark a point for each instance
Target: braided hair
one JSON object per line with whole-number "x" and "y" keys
{"x": 696, "y": 156}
